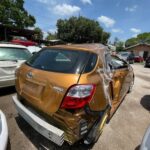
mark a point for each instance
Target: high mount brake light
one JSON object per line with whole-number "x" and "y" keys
{"x": 78, "y": 96}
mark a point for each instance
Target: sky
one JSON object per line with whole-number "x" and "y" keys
{"x": 124, "y": 19}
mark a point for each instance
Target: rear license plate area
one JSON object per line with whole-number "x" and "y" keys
{"x": 33, "y": 89}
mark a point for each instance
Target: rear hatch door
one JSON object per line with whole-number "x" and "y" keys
{"x": 45, "y": 78}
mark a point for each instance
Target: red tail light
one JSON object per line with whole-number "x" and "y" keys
{"x": 78, "y": 96}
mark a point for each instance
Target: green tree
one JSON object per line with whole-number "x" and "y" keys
{"x": 130, "y": 42}
{"x": 39, "y": 33}
{"x": 120, "y": 46}
{"x": 141, "y": 38}
{"x": 81, "y": 30}
{"x": 51, "y": 36}
{"x": 144, "y": 37}
{"x": 105, "y": 37}
{"x": 13, "y": 13}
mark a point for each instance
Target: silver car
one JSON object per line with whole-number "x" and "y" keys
{"x": 11, "y": 57}
{"x": 124, "y": 55}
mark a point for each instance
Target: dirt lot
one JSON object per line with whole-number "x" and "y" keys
{"x": 124, "y": 132}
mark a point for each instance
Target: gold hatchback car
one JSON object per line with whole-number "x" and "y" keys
{"x": 68, "y": 92}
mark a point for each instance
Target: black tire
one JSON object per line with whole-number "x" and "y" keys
{"x": 8, "y": 144}
{"x": 145, "y": 66}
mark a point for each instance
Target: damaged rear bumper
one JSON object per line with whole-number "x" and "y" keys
{"x": 39, "y": 124}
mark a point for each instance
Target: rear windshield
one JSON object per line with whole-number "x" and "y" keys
{"x": 60, "y": 60}
{"x": 10, "y": 53}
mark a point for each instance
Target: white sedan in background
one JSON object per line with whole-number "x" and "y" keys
{"x": 34, "y": 49}
{"x": 11, "y": 57}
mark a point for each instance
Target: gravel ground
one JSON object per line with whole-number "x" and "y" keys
{"x": 124, "y": 132}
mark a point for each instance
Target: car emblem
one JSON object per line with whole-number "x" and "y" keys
{"x": 29, "y": 75}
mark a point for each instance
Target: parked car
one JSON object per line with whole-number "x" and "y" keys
{"x": 11, "y": 57}
{"x": 23, "y": 41}
{"x": 3, "y": 131}
{"x": 146, "y": 140}
{"x": 147, "y": 62}
{"x": 130, "y": 58}
{"x": 123, "y": 55}
{"x": 34, "y": 49}
{"x": 127, "y": 56}
{"x": 67, "y": 93}
{"x": 138, "y": 58}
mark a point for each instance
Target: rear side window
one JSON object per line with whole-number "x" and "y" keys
{"x": 59, "y": 60}
{"x": 91, "y": 63}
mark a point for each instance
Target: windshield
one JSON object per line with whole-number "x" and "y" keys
{"x": 59, "y": 60}
{"x": 10, "y": 53}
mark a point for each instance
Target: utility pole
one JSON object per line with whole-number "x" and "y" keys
{"x": 5, "y": 33}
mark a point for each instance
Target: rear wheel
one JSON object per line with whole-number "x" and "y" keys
{"x": 145, "y": 66}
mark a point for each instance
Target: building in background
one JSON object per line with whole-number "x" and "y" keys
{"x": 141, "y": 49}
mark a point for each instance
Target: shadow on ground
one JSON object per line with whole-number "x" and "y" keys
{"x": 8, "y": 145}
{"x": 7, "y": 91}
{"x": 41, "y": 142}
{"x": 145, "y": 102}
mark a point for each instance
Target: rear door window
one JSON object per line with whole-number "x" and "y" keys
{"x": 118, "y": 63}
{"x": 59, "y": 60}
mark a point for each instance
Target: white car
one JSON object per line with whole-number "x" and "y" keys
{"x": 124, "y": 55}
{"x": 11, "y": 57}
{"x": 33, "y": 49}
{"x": 3, "y": 131}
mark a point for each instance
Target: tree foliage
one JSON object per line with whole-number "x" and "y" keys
{"x": 13, "y": 13}
{"x": 141, "y": 38}
{"x": 51, "y": 36}
{"x": 120, "y": 46}
{"x": 81, "y": 30}
{"x": 39, "y": 33}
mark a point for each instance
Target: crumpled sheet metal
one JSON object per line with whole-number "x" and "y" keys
{"x": 105, "y": 72}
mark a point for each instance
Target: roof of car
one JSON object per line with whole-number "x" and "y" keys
{"x": 92, "y": 47}
{"x": 11, "y": 45}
